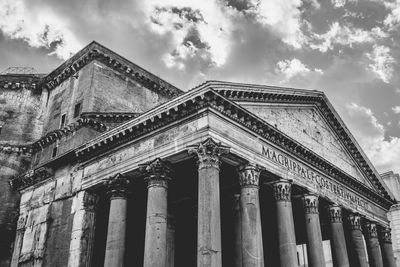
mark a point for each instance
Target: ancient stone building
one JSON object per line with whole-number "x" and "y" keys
{"x": 106, "y": 164}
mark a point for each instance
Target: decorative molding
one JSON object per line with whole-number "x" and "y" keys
{"x": 31, "y": 177}
{"x": 385, "y": 235}
{"x": 20, "y": 81}
{"x": 354, "y": 221}
{"x": 249, "y": 175}
{"x": 110, "y": 117}
{"x": 310, "y": 204}
{"x": 117, "y": 186}
{"x": 282, "y": 190}
{"x": 259, "y": 93}
{"x": 208, "y": 153}
{"x": 335, "y": 214}
{"x": 53, "y": 136}
{"x": 158, "y": 173}
{"x": 95, "y": 51}
{"x": 371, "y": 230}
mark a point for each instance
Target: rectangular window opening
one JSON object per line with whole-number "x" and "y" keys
{"x": 62, "y": 122}
{"x": 55, "y": 150}
{"x": 77, "y": 110}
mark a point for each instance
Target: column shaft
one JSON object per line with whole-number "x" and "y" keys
{"x": 237, "y": 231}
{"x": 315, "y": 249}
{"x": 338, "y": 241}
{"x": 373, "y": 248}
{"x": 358, "y": 248}
{"x": 285, "y": 222}
{"x": 115, "y": 246}
{"x": 386, "y": 247}
{"x": 209, "y": 218}
{"x": 155, "y": 249}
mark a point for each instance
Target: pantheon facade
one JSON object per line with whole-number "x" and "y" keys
{"x": 124, "y": 169}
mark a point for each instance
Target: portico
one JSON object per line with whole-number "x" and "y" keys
{"x": 213, "y": 184}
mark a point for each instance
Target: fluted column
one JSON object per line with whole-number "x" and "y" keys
{"x": 115, "y": 246}
{"x": 252, "y": 245}
{"x": 155, "y": 249}
{"x": 338, "y": 241}
{"x": 385, "y": 237}
{"x": 315, "y": 249}
{"x": 284, "y": 215}
{"x": 358, "y": 248}
{"x": 373, "y": 248}
{"x": 209, "y": 218}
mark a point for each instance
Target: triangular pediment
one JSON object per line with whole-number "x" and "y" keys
{"x": 308, "y": 118}
{"x": 306, "y": 125}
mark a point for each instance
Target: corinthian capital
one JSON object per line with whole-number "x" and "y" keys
{"x": 310, "y": 203}
{"x": 249, "y": 175}
{"x": 371, "y": 230}
{"x": 158, "y": 172}
{"x": 385, "y": 235}
{"x": 117, "y": 186}
{"x": 355, "y": 221}
{"x": 208, "y": 153}
{"x": 282, "y": 190}
{"x": 335, "y": 214}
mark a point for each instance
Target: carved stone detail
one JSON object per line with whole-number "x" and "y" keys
{"x": 117, "y": 186}
{"x": 335, "y": 214}
{"x": 158, "y": 172}
{"x": 371, "y": 230}
{"x": 310, "y": 204}
{"x": 385, "y": 235}
{"x": 90, "y": 201}
{"x": 208, "y": 153}
{"x": 354, "y": 221}
{"x": 249, "y": 175}
{"x": 282, "y": 190}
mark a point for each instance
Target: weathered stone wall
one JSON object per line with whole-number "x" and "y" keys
{"x": 21, "y": 123}
{"x": 99, "y": 89}
{"x": 48, "y": 213}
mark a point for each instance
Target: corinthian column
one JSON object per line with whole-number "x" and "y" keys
{"x": 358, "y": 247}
{"x": 339, "y": 250}
{"x": 252, "y": 245}
{"x": 374, "y": 251}
{"x": 209, "y": 218}
{"x": 284, "y": 215}
{"x": 315, "y": 249}
{"x": 155, "y": 249}
{"x": 115, "y": 246}
{"x": 386, "y": 247}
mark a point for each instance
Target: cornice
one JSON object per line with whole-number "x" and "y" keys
{"x": 110, "y": 117}
{"x": 95, "y": 51}
{"x": 320, "y": 101}
{"x": 20, "y": 81}
{"x": 31, "y": 177}
{"x": 52, "y": 137}
{"x": 209, "y": 98}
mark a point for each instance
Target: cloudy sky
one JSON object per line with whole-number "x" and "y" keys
{"x": 348, "y": 49}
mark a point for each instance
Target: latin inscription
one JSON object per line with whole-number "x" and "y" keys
{"x": 309, "y": 175}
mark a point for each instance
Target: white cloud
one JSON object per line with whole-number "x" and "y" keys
{"x": 396, "y": 109}
{"x": 382, "y": 62}
{"x": 284, "y": 17}
{"x": 338, "y": 3}
{"x": 293, "y": 68}
{"x": 39, "y": 29}
{"x": 206, "y": 22}
{"x": 384, "y": 153}
{"x": 393, "y": 18}
{"x": 344, "y": 35}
